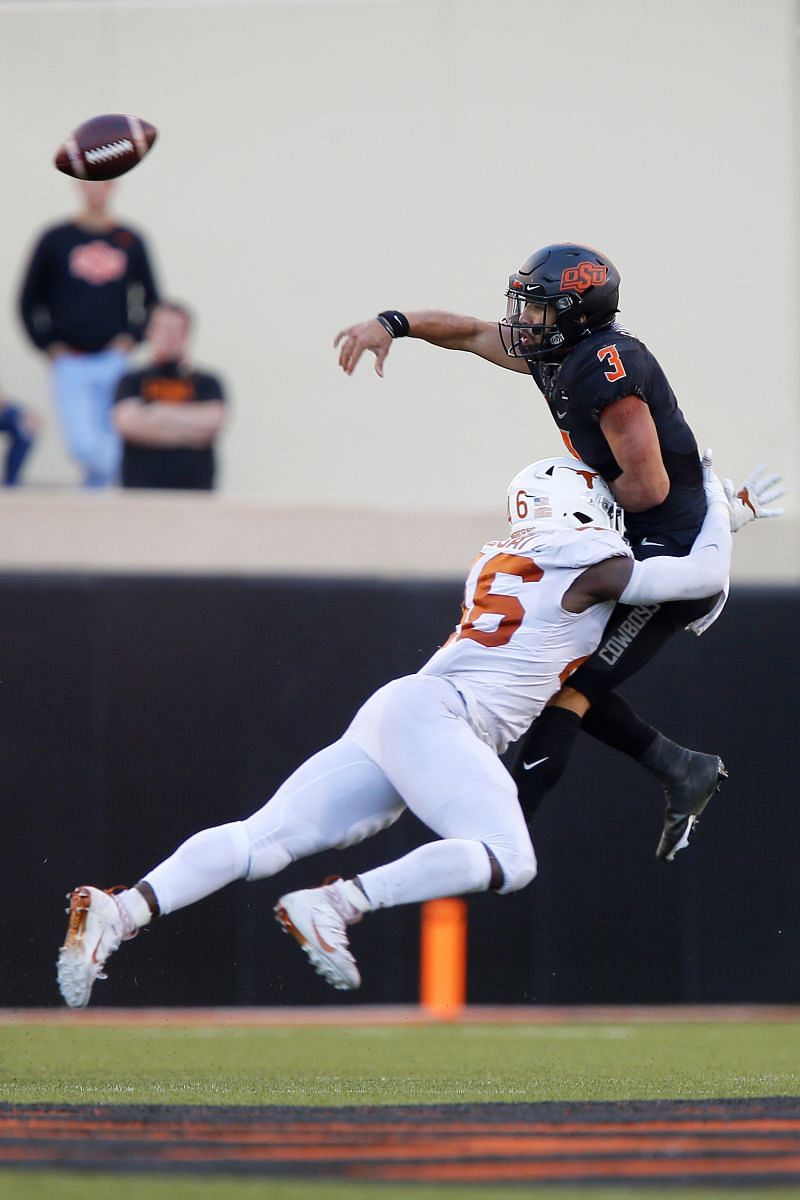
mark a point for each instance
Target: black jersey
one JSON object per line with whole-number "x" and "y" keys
{"x": 602, "y": 368}
{"x": 85, "y": 288}
{"x": 184, "y": 467}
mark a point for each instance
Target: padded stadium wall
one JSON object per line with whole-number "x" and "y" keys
{"x": 139, "y": 709}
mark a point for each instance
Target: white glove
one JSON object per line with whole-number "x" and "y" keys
{"x": 747, "y": 502}
{"x": 715, "y": 493}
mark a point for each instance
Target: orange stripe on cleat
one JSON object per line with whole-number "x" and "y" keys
{"x": 321, "y": 939}
{"x": 288, "y": 924}
{"x": 78, "y": 908}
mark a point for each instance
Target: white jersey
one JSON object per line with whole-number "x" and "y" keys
{"x": 515, "y": 643}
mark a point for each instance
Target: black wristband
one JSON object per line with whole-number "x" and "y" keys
{"x": 394, "y": 322}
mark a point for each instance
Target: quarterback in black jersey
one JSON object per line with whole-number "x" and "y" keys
{"x": 607, "y": 393}
{"x": 609, "y": 366}
{"x": 616, "y": 412}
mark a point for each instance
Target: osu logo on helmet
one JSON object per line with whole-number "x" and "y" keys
{"x": 582, "y": 277}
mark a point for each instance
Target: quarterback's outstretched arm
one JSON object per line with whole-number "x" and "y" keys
{"x": 449, "y": 330}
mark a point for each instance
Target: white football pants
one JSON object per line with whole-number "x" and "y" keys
{"x": 409, "y": 746}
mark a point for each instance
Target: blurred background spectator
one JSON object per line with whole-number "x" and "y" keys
{"x": 84, "y": 302}
{"x": 20, "y": 427}
{"x": 169, "y": 414}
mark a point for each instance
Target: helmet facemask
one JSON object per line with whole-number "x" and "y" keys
{"x": 548, "y": 339}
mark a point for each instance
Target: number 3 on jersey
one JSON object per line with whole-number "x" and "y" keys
{"x": 610, "y": 354}
{"x": 485, "y": 602}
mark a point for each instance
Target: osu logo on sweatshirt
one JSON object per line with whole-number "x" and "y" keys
{"x": 97, "y": 262}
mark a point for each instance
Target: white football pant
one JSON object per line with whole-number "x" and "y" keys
{"x": 409, "y": 746}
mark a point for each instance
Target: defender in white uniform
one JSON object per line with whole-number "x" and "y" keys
{"x": 535, "y": 605}
{"x": 516, "y": 643}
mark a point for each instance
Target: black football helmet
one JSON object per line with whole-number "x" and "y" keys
{"x": 578, "y": 286}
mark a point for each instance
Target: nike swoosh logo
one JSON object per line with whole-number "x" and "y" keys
{"x": 647, "y": 542}
{"x": 325, "y": 946}
{"x": 530, "y": 766}
{"x": 561, "y": 415}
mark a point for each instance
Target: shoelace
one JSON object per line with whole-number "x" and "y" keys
{"x": 349, "y": 913}
{"x": 129, "y": 927}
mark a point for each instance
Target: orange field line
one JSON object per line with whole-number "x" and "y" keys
{"x": 400, "y": 1015}
{"x": 460, "y": 1167}
{"x": 517, "y": 1171}
{"x": 419, "y": 1145}
{"x": 37, "y": 1125}
{"x": 475, "y": 1151}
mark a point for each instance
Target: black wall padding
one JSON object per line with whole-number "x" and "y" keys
{"x": 137, "y": 710}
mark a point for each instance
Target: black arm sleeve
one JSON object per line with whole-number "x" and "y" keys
{"x": 209, "y": 387}
{"x": 33, "y": 306}
{"x": 141, "y": 274}
{"x": 128, "y": 387}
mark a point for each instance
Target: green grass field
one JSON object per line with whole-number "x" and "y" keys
{"x": 413, "y": 1065}
{"x": 80, "y": 1186}
{"x": 375, "y": 1065}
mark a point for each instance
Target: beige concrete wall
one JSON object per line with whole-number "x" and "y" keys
{"x": 318, "y": 161}
{"x": 173, "y": 532}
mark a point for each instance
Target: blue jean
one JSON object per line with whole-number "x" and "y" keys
{"x": 12, "y": 422}
{"x": 83, "y": 393}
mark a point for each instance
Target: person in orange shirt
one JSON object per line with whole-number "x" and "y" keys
{"x": 169, "y": 414}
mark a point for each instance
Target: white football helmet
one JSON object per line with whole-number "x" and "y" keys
{"x": 562, "y": 493}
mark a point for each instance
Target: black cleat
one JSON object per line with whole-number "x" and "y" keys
{"x": 689, "y": 779}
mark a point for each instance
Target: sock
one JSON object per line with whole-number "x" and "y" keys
{"x": 614, "y": 722}
{"x": 451, "y": 867}
{"x": 356, "y": 901}
{"x": 543, "y": 755}
{"x": 202, "y": 865}
{"x": 363, "y": 901}
{"x": 135, "y": 906}
{"x": 665, "y": 758}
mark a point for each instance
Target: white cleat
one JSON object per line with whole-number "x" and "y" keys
{"x": 318, "y": 919}
{"x": 97, "y": 925}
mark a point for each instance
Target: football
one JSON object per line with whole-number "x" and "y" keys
{"x": 105, "y": 147}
